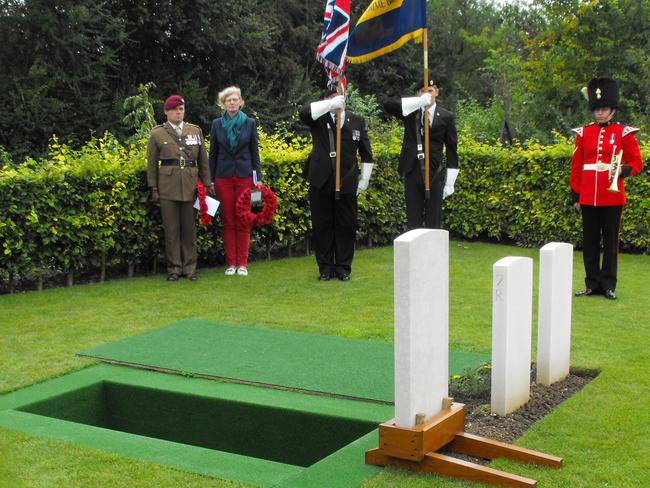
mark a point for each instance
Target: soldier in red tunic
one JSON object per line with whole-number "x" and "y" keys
{"x": 598, "y": 190}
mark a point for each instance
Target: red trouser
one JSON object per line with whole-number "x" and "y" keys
{"x": 236, "y": 236}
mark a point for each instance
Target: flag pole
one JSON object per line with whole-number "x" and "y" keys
{"x": 427, "y": 183}
{"x": 337, "y": 189}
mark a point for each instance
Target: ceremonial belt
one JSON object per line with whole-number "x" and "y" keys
{"x": 596, "y": 167}
{"x": 330, "y": 135}
{"x": 182, "y": 162}
{"x": 418, "y": 137}
{"x": 420, "y": 147}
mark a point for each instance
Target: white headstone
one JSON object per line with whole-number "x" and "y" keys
{"x": 421, "y": 324}
{"x": 512, "y": 302}
{"x": 554, "y": 312}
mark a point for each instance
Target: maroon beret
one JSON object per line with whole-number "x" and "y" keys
{"x": 173, "y": 101}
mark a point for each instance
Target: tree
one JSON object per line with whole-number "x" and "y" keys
{"x": 502, "y": 71}
{"x": 69, "y": 66}
{"x": 582, "y": 40}
{"x": 139, "y": 111}
{"x": 59, "y": 61}
{"x": 198, "y": 47}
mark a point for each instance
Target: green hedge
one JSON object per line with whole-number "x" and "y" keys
{"x": 82, "y": 211}
{"x": 521, "y": 194}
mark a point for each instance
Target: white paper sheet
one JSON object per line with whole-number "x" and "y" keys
{"x": 213, "y": 205}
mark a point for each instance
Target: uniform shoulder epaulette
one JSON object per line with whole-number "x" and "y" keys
{"x": 578, "y": 130}
{"x": 629, "y": 130}
{"x": 191, "y": 125}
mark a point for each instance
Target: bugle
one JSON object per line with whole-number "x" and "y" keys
{"x": 615, "y": 170}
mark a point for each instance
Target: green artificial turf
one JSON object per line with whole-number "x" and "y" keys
{"x": 256, "y": 435}
{"x": 603, "y": 432}
{"x": 311, "y": 362}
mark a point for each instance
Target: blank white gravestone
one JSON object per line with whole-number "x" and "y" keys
{"x": 554, "y": 312}
{"x": 421, "y": 272}
{"x": 512, "y": 302}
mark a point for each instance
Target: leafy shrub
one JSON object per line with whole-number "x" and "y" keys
{"x": 87, "y": 209}
{"x": 521, "y": 194}
{"x": 5, "y": 158}
{"x": 473, "y": 383}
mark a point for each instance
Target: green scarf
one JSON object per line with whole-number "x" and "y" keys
{"x": 232, "y": 126}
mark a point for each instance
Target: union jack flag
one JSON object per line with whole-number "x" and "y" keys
{"x": 334, "y": 41}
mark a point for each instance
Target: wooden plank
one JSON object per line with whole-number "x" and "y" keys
{"x": 376, "y": 458}
{"x": 442, "y": 417}
{"x": 445, "y": 429}
{"x": 477, "y": 446}
{"x": 413, "y": 443}
{"x": 452, "y": 467}
{"x": 400, "y": 442}
{"x": 457, "y": 468}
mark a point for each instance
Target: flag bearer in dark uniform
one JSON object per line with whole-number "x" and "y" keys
{"x": 597, "y": 190}
{"x": 176, "y": 159}
{"x": 443, "y": 171}
{"x": 334, "y": 222}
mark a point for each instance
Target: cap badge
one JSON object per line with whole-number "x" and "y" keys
{"x": 598, "y": 93}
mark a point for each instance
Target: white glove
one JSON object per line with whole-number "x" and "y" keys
{"x": 337, "y": 103}
{"x": 410, "y": 105}
{"x": 425, "y": 100}
{"x": 452, "y": 174}
{"x": 320, "y": 108}
{"x": 364, "y": 181}
{"x": 363, "y": 186}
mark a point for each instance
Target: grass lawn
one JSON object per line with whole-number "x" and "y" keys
{"x": 603, "y": 432}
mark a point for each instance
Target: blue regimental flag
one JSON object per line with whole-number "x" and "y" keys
{"x": 385, "y": 26}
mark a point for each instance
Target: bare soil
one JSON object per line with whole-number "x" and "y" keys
{"x": 543, "y": 399}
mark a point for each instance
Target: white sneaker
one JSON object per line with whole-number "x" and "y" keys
{"x": 230, "y": 271}
{"x": 242, "y": 271}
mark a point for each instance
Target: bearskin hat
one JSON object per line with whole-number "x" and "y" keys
{"x": 602, "y": 92}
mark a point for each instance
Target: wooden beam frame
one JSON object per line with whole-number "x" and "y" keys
{"x": 416, "y": 449}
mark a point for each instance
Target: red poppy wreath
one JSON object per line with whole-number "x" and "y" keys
{"x": 203, "y": 204}
{"x": 264, "y": 216}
